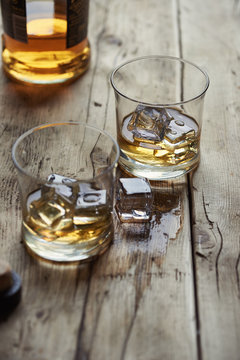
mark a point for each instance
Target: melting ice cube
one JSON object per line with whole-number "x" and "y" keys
{"x": 91, "y": 198}
{"x": 149, "y": 124}
{"x": 178, "y": 131}
{"x": 47, "y": 211}
{"x": 180, "y": 128}
{"x": 85, "y": 187}
{"x": 134, "y": 200}
{"x": 63, "y": 186}
{"x": 91, "y": 206}
{"x": 58, "y": 179}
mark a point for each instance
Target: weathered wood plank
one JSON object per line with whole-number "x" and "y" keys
{"x": 137, "y": 300}
{"x": 210, "y": 37}
{"x": 45, "y": 325}
{"x": 140, "y": 303}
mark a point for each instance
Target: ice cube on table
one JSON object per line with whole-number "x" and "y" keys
{"x": 148, "y": 124}
{"x": 134, "y": 200}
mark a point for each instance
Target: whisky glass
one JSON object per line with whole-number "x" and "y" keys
{"x": 66, "y": 179}
{"x": 159, "y": 106}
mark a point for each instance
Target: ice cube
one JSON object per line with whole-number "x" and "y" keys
{"x": 63, "y": 186}
{"x": 149, "y": 124}
{"x": 134, "y": 200}
{"x": 178, "y": 130}
{"x": 182, "y": 128}
{"x": 48, "y": 212}
{"x": 91, "y": 198}
{"x": 91, "y": 206}
{"x": 85, "y": 187}
{"x": 133, "y": 186}
{"x": 161, "y": 153}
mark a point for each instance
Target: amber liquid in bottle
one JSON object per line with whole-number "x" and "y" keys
{"x": 45, "y": 58}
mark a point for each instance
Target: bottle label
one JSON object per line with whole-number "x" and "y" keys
{"x": 14, "y": 19}
{"x": 77, "y": 21}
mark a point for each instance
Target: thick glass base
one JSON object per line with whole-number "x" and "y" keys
{"x": 58, "y": 252}
{"x": 155, "y": 172}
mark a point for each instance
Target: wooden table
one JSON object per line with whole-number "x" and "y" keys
{"x": 165, "y": 290}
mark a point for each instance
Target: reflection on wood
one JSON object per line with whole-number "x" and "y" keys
{"x": 139, "y": 283}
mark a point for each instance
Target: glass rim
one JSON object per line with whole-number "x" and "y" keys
{"x": 50, "y": 125}
{"x": 152, "y": 57}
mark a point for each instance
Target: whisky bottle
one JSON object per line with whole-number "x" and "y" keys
{"x": 45, "y": 41}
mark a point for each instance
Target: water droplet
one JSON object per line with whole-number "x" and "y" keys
{"x": 179, "y": 122}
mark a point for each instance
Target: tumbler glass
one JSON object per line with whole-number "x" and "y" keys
{"x": 66, "y": 177}
{"x": 159, "y": 106}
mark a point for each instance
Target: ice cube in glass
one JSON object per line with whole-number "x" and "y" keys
{"x": 181, "y": 128}
{"x": 65, "y": 187}
{"x": 91, "y": 206}
{"x": 48, "y": 210}
{"x": 149, "y": 124}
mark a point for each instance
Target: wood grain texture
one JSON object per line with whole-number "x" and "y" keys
{"x": 210, "y": 36}
{"x": 137, "y": 300}
{"x": 142, "y": 299}
{"x": 140, "y": 302}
